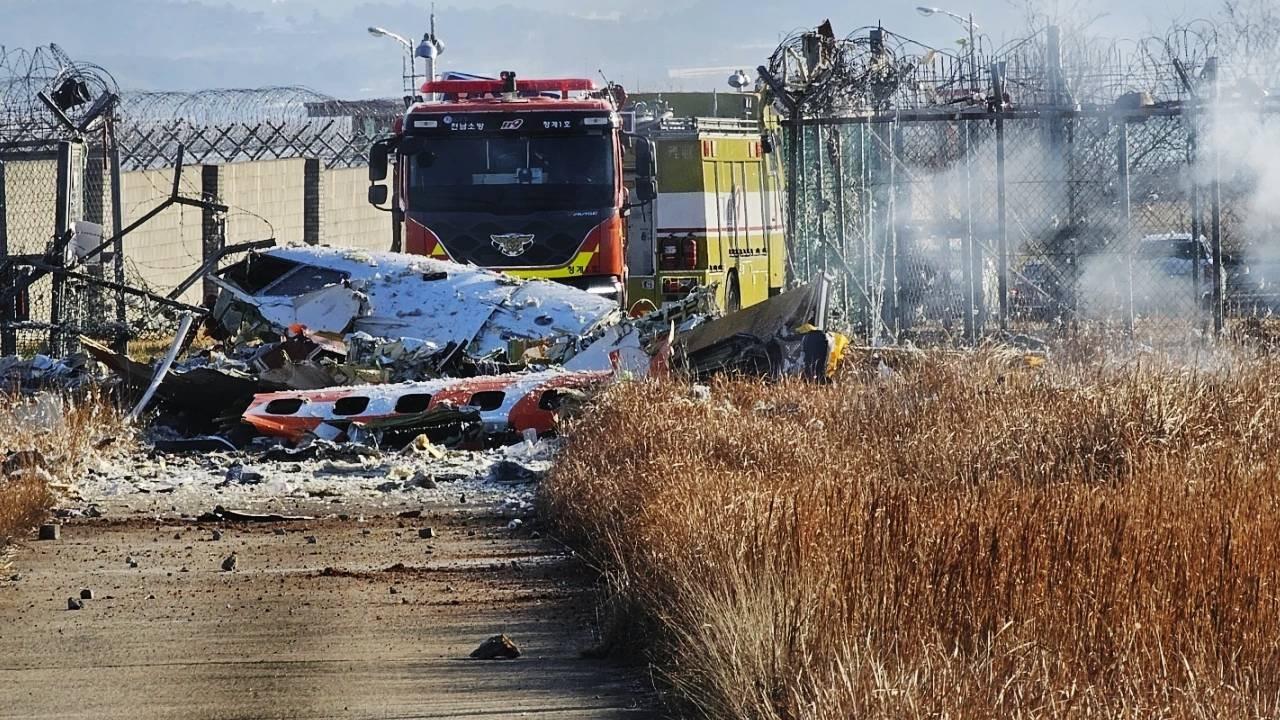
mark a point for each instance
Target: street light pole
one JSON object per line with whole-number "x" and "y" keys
{"x": 973, "y": 59}
{"x": 967, "y": 21}
{"x": 411, "y": 77}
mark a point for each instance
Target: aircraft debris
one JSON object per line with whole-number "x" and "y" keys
{"x": 503, "y": 406}
{"x": 779, "y": 337}
{"x": 431, "y": 307}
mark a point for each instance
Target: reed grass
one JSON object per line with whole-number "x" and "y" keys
{"x": 961, "y": 536}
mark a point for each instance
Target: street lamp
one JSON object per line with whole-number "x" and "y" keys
{"x": 967, "y": 21}
{"x": 410, "y": 76}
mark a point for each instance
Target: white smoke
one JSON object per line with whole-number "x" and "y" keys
{"x": 1241, "y": 144}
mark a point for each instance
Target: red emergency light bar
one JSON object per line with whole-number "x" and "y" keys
{"x": 495, "y": 87}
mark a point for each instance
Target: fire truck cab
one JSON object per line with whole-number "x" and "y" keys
{"x": 522, "y": 176}
{"x": 528, "y": 177}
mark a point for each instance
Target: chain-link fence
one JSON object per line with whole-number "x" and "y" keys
{"x": 945, "y": 227}
{"x": 950, "y": 213}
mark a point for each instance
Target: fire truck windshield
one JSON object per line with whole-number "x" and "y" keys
{"x": 512, "y": 174}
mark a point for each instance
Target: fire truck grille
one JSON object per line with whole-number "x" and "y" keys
{"x": 505, "y": 244}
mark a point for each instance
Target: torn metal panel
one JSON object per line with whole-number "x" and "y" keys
{"x": 764, "y": 339}
{"x": 442, "y": 425}
{"x": 506, "y": 404}
{"x": 623, "y": 349}
{"x": 400, "y": 296}
{"x": 199, "y": 392}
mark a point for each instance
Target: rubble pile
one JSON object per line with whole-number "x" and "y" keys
{"x": 402, "y": 372}
{"x": 71, "y": 373}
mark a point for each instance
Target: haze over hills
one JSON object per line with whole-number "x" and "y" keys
{"x": 191, "y": 44}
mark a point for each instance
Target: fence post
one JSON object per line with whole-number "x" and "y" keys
{"x": 1126, "y": 220}
{"x": 789, "y": 146}
{"x": 802, "y": 189}
{"x": 1197, "y": 221}
{"x": 838, "y": 173}
{"x": 121, "y": 341}
{"x": 889, "y": 296}
{"x": 61, "y": 227}
{"x": 1215, "y": 210}
{"x": 968, "y": 254}
{"x": 213, "y": 229}
{"x": 1002, "y": 218}
{"x": 824, "y": 245}
{"x": 312, "y": 189}
{"x": 8, "y": 337}
{"x": 866, "y": 232}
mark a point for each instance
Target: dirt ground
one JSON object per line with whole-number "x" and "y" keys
{"x": 350, "y": 616}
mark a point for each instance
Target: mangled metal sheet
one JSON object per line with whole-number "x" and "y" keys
{"x": 400, "y": 296}
{"x": 780, "y": 336}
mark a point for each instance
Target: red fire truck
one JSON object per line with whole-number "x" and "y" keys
{"x": 523, "y": 176}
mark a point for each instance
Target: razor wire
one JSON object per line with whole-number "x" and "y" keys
{"x": 244, "y": 125}
{"x": 25, "y": 119}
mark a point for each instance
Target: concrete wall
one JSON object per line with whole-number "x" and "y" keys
{"x": 273, "y": 198}
{"x": 166, "y": 249}
{"x": 270, "y": 190}
{"x": 347, "y": 218}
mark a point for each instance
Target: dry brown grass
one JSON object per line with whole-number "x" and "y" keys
{"x": 66, "y": 436}
{"x": 960, "y": 539}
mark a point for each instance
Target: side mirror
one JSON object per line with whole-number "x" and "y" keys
{"x": 378, "y": 160}
{"x": 377, "y": 194}
{"x": 646, "y": 189}
{"x": 646, "y": 159}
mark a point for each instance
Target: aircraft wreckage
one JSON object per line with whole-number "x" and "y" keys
{"x": 430, "y": 305}
{"x": 379, "y": 347}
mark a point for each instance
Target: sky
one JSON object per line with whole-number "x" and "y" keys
{"x": 659, "y": 45}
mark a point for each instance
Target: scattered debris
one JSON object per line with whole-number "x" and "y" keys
{"x": 22, "y": 460}
{"x": 510, "y": 472}
{"x": 229, "y": 564}
{"x": 50, "y": 531}
{"x": 221, "y": 514}
{"x": 426, "y": 533}
{"x": 86, "y": 594}
{"x": 41, "y": 372}
{"x": 75, "y": 604}
{"x": 498, "y": 647}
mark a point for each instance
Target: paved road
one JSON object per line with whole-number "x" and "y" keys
{"x": 282, "y": 638}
